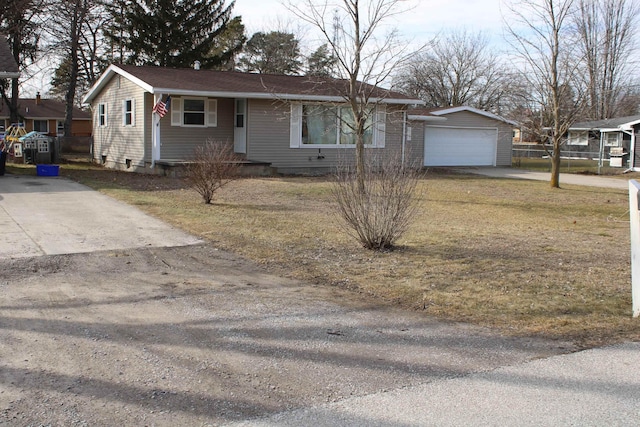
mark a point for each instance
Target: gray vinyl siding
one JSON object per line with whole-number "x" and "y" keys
{"x": 178, "y": 142}
{"x": 415, "y": 147}
{"x": 467, "y": 119}
{"x": 115, "y": 142}
{"x": 268, "y": 135}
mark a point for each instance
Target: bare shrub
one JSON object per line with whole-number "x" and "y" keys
{"x": 214, "y": 165}
{"x": 378, "y": 215}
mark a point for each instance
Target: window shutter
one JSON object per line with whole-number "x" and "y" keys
{"x": 381, "y": 126}
{"x": 105, "y": 115}
{"x": 176, "y": 111}
{"x": 212, "y": 113}
{"x": 133, "y": 112}
{"x": 124, "y": 112}
{"x": 295, "y": 137}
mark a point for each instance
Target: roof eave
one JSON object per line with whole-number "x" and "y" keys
{"x": 276, "y": 96}
{"x": 423, "y": 118}
{"x": 473, "y": 110}
{"x": 106, "y": 76}
{"x": 9, "y": 75}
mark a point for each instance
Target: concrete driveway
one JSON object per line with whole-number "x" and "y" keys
{"x": 51, "y": 215}
{"x": 565, "y": 178}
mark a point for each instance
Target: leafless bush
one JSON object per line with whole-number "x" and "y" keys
{"x": 378, "y": 216}
{"x": 214, "y": 165}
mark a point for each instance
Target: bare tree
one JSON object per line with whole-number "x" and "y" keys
{"x": 606, "y": 30}
{"x": 82, "y": 33}
{"x": 22, "y": 21}
{"x": 73, "y": 13}
{"x": 364, "y": 57}
{"x": 539, "y": 31}
{"x": 378, "y": 217}
{"x": 458, "y": 69}
{"x": 214, "y": 165}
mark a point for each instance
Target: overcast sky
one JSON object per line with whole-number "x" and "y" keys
{"x": 426, "y": 19}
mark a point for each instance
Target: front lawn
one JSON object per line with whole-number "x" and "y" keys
{"x": 511, "y": 254}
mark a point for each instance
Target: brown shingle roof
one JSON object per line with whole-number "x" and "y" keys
{"x": 46, "y": 109}
{"x": 8, "y": 65}
{"x": 174, "y": 80}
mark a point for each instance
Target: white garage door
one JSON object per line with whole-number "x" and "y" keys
{"x": 460, "y": 146}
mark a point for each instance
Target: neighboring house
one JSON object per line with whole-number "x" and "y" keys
{"x": 297, "y": 124}
{"x": 614, "y": 139}
{"x": 461, "y": 136}
{"x": 8, "y": 67}
{"x": 46, "y": 116}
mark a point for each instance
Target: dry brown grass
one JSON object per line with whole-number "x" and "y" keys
{"x": 510, "y": 254}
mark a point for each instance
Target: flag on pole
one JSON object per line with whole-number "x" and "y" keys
{"x": 161, "y": 108}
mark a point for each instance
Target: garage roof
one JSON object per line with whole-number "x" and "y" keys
{"x": 439, "y": 112}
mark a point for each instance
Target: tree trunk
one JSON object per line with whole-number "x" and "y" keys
{"x": 555, "y": 163}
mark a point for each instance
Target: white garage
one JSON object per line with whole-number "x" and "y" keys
{"x": 461, "y": 136}
{"x": 447, "y": 146}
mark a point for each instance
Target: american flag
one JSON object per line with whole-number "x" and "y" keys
{"x": 162, "y": 107}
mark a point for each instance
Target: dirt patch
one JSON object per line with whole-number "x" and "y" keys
{"x": 195, "y": 336}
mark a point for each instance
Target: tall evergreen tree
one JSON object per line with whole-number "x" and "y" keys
{"x": 170, "y": 33}
{"x": 321, "y": 62}
{"x": 229, "y": 43}
{"x": 276, "y": 52}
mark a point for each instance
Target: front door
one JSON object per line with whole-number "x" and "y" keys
{"x": 240, "y": 127}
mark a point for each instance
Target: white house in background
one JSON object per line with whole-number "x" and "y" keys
{"x": 615, "y": 139}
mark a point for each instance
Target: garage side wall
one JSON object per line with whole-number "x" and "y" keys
{"x": 467, "y": 119}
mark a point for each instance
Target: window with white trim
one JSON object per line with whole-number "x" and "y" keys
{"x": 578, "y": 138}
{"x": 194, "y": 112}
{"x": 326, "y": 125}
{"x": 41, "y": 126}
{"x": 129, "y": 112}
{"x": 612, "y": 139}
{"x": 102, "y": 115}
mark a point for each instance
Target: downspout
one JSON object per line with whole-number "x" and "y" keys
{"x": 404, "y": 134}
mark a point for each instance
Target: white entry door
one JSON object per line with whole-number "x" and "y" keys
{"x": 240, "y": 127}
{"x": 446, "y": 146}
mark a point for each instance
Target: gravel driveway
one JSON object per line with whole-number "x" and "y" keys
{"x": 195, "y": 336}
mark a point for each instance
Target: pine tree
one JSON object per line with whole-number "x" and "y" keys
{"x": 275, "y": 52}
{"x": 321, "y": 62}
{"x": 170, "y": 33}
